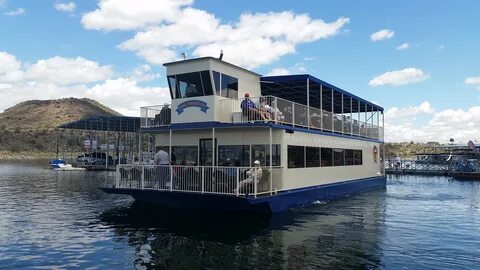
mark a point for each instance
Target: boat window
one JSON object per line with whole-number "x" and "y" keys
{"x": 225, "y": 86}
{"x": 234, "y": 155}
{"x": 229, "y": 86}
{"x": 192, "y": 84}
{"x": 296, "y": 156}
{"x": 357, "y": 157}
{"x": 348, "y": 157}
{"x": 216, "y": 81}
{"x": 261, "y": 152}
{"x": 327, "y": 157}
{"x": 185, "y": 155}
{"x": 312, "y": 156}
{"x": 338, "y": 157}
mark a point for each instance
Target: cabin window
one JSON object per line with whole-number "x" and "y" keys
{"x": 194, "y": 84}
{"x": 234, "y": 155}
{"x": 312, "y": 156}
{"x": 338, "y": 157}
{"x": 261, "y": 152}
{"x": 357, "y": 157}
{"x": 226, "y": 86}
{"x": 327, "y": 157}
{"x": 185, "y": 155}
{"x": 349, "y": 157}
{"x": 296, "y": 156}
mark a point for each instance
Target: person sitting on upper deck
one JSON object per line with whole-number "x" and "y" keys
{"x": 249, "y": 110}
{"x": 253, "y": 177}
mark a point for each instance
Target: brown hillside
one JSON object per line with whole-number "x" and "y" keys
{"x": 35, "y": 115}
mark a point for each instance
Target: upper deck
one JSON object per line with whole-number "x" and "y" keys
{"x": 211, "y": 90}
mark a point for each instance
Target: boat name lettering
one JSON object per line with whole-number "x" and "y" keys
{"x": 192, "y": 103}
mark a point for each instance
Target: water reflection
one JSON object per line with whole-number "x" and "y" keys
{"x": 340, "y": 234}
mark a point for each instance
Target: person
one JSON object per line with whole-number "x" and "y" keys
{"x": 263, "y": 106}
{"x": 253, "y": 177}
{"x": 250, "y": 111}
{"x": 190, "y": 90}
{"x": 162, "y": 158}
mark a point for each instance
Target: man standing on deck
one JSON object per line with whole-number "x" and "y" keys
{"x": 162, "y": 159}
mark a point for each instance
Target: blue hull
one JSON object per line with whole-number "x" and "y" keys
{"x": 267, "y": 204}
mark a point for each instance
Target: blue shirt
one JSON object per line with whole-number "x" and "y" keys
{"x": 247, "y": 104}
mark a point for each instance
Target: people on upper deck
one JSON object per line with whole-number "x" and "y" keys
{"x": 250, "y": 111}
{"x": 191, "y": 91}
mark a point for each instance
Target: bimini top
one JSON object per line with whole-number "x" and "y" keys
{"x": 106, "y": 123}
{"x": 294, "y": 88}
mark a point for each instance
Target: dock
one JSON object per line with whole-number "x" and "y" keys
{"x": 470, "y": 170}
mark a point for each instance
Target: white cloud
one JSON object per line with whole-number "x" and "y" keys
{"x": 309, "y": 58}
{"x": 399, "y": 77}
{"x": 65, "y": 71}
{"x": 65, "y": 7}
{"x": 403, "y": 46}
{"x": 16, "y": 12}
{"x": 59, "y": 77}
{"x": 278, "y": 72}
{"x": 132, "y": 14}
{"x": 252, "y": 41}
{"x": 382, "y": 35}
{"x": 475, "y": 81}
{"x": 402, "y": 124}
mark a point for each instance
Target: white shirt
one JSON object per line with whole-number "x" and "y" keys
{"x": 162, "y": 158}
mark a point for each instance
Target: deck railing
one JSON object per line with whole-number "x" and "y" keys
{"x": 468, "y": 166}
{"x": 275, "y": 110}
{"x": 235, "y": 181}
{"x": 278, "y": 110}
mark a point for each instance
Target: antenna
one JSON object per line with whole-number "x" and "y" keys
{"x": 184, "y": 56}
{"x": 221, "y": 55}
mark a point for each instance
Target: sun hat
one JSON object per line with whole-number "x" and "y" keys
{"x": 256, "y": 162}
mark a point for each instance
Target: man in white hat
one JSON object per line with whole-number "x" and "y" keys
{"x": 253, "y": 176}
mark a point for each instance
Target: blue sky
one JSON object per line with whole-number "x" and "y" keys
{"x": 442, "y": 38}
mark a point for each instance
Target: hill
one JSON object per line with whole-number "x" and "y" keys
{"x": 28, "y": 128}
{"x": 34, "y": 115}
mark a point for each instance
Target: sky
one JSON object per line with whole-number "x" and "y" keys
{"x": 417, "y": 59}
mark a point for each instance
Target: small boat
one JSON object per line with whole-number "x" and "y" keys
{"x": 59, "y": 165}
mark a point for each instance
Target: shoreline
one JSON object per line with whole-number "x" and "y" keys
{"x": 8, "y": 155}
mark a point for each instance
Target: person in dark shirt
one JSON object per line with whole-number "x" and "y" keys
{"x": 250, "y": 111}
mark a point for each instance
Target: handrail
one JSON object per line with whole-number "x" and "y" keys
{"x": 235, "y": 181}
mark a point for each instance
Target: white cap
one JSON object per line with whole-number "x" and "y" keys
{"x": 256, "y": 162}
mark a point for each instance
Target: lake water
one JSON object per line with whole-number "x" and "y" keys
{"x": 61, "y": 220}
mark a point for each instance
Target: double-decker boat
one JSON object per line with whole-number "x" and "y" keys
{"x": 238, "y": 141}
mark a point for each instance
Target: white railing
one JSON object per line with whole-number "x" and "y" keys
{"x": 237, "y": 181}
{"x": 278, "y": 110}
{"x": 155, "y": 116}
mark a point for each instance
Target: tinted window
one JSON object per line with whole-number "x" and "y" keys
{"x": 296, "y": 156}
{"x": 348, "y": 157}
{"x": 234, "y": 155}
{"x": 312, "y": 156}
{"x": 262, "y": 154}
{"x": 189, "y": 85}
{"x": 185, "y": 155}
{"x": 207, "y": 83}
{"x": 327, "y": 157}
{"x": 229, "y": 86}
{"x": 357, "y": 157}
{"x": 338, "y": 157}
{"x": 172, "y": 83}
{"x": 216, "y": 81}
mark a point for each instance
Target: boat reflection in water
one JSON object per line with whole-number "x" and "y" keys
{"x": 343, "y": 234}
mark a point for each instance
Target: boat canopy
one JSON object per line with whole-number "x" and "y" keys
{"x": 106, "y": 123}
{"x": 308, "y": 90}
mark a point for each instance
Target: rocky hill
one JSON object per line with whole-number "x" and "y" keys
{"x": 28, "y": 129}
{"x": 36, "y": 115}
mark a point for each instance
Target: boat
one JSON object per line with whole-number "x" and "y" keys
{"x": 312, "y": 141}
{"x": 60, "y": 165}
